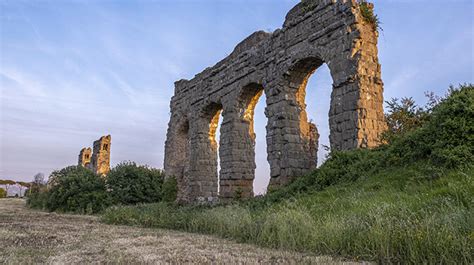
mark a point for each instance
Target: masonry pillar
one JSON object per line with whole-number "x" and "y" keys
{"x": 203, "y": 159}
{"x": 237, "y": 155}
{"x": 291, "y": 139}
{"x": 177, "y": 148}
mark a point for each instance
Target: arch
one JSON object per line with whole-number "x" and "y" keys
{"x": 212, "y": 113}
{"x": 281, "y": 62}
{"x": 295, "y": 139}
{"x": 238, "y": 144}
{"x": 318, "y": 98}
{"x": 298, "y": 78}
{"x": 203, "y": 153}
{"x": 247, "y": 102}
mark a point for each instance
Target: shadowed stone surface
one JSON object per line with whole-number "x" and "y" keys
{"x": 278, "y": 66}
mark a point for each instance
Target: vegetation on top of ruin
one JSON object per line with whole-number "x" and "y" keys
{"x": 366, "y": 9}
{"x": 408, "y": 201}
{"x": 368, "y": 14}
{"x": 307, "y": 5}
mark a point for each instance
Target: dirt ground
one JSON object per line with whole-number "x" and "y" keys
{"x": 28, "y": 236}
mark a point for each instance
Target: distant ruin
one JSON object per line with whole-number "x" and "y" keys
{"x": 278, "y": 66}
{"x": 99, "y": 160}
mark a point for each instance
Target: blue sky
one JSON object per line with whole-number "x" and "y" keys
{"x": 71, "y": 71}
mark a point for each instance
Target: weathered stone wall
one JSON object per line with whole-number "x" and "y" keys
{"x": 98, "y": 160}
{"x": 85, "y": 157}
{"x": 101, "y": 155}
{"x": 277, "y": 65}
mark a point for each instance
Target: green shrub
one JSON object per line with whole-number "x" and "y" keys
{"x": 403, "y": 116}
{"x": 76, "y": 189}
{"x": 170, "y": 189}
{"x": 308, "y": 5}
{"x": 37, "y": 194}
{"x": 37, "y": 200}
{"x": 3, "y": 193}
{"x": 446, "y": 139}
{"x": 340, "y": 167}
{"x": 129, "y": 183}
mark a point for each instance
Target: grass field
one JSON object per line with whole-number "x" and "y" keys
{"x": 32, "y": 237}
{"x": 398, "y": 216}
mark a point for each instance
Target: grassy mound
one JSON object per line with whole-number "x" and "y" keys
{"x": 410, "y": 201}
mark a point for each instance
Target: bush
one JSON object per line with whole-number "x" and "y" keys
{"x": 129, "y": 183}
{"x": 446, "y": 139}
{"x": 170, "y": 189}
{"x": 3, "y": 193}
{"x": 77, "y": 189}
{"x": 37, "y": 194}
{"x": 37, "y": 200}
{"x": 403, "y": 116}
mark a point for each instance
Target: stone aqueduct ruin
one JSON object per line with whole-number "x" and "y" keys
{"x": 276, "y": 66}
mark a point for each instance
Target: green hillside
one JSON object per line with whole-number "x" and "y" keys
{"x": 409, "y": 201}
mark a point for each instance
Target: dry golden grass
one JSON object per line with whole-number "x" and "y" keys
{"x": 28, "y": 236}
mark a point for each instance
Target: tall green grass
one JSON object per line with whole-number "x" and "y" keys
{"x": 391, "y": 217}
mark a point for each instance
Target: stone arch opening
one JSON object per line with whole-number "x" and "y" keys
{"x": 212, "y": 116}
{"x": 250, "y": 97}
{"x": 215, "y": 138}
{"x": 247, "y": 102}
{"x": 318, "y": 101}
{"x": 298, "y": 78}
{"x": 262, "y": 170}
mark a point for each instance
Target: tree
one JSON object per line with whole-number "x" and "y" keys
{"x": 38, "y": 184}
{"x": 446, "y": 136}
{"x": 38, "y": 179}
{"x": 3, "y": 193}
{"x": 403, "y": 116}
{"x": 130, "y": 184}
{"x": 76, "y": 189}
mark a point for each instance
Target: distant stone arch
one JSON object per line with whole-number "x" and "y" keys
{"x": 278, "y": 65}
